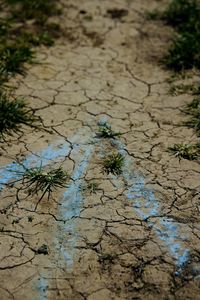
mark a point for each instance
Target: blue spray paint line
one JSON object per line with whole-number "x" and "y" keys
{"x": 147, "y": 206}
{"x": 42, "y": 287}
{"x": 71, "y": 206}
{"x": 43, "y": 157}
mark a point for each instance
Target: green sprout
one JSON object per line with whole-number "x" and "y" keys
{"x": 113, "y": 163}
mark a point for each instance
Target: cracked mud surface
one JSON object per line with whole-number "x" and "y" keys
{"x": 137, "y": 236}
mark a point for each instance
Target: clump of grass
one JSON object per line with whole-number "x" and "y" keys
{"x": 91, "y": 187}
{"x": 105, "y": 131}
{"x": 17, "y": 36}
{"x": 13, "y": 57}
{"x": 193, "y": 109}
{"x": 179, "y": 89}
{"x": 153, "y": 15}
{"x": 14, "y": 113}
{"x": 194, "y": 104}
{"x": 184, "y": 52}
{"x": 113, "y": 163}
{"x": 33, "y": 39}
{"x": 196, "y": 90}
{"x": 194, "y": 122}
{"x": 38, "y": 180}
{"x": 186, "y": 151}
{"x": 33, "y": 9}
{"x": 4, "y": 27}
{"x": 184, "y": 15}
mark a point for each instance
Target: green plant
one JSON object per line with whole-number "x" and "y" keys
{"x": 153, "y": 15}
{"x": 39, "y": 180}
{"x": 184, "y": 52}
{"x": 183, "y": 14}
{"x": 113, "y": 163}
{"x": 196, "y": 90}
{"x": 194, "y": 122}
{"x": 105, "y": 131}
{"x": 4, "y": 27}
{"x": 33, "y": 9}
{"x": 18, "y": 35}
{"x": 14, "y": 113}
{"x": 179, "y": 89}
{"x": 193, "y": 109}
{"x": 36, "y": 39}
{"x": 12, "y": 58}
{"x": 186, "y": 151}
{"x": 194, "y": 104}
{"x": 92, "y": 187}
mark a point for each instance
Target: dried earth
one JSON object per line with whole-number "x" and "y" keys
{"x": 137, "y": 236}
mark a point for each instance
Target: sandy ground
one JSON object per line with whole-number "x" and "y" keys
{"x": 137, "y": 236}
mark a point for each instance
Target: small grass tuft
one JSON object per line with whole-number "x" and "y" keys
{"x": 179, "y": 89}
{"x": 13, "y": 57}
{"x": 105, "y": 131}
{"x": 39, "y": 180}
{"x": 186, "y": 151}
{"x": 194, "y": 104}
{"x": 194, "y": 122}
{"x": 14, "y": 113}
{"x": 153, "y": 15}
{"x": 113, "y": 163}
{"x": 92, "y": 187}
{"x": 193, "y": 109}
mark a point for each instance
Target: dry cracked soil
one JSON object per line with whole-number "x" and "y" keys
{"x": 128, "y": 236}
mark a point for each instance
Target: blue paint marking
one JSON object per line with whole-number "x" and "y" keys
{"x": 147, "y": 206}
{"x": 71, "y": 206}
{"x": 42, "y": 287}
{"x": 72, "y": 197}
{"x": 43, "y": 157}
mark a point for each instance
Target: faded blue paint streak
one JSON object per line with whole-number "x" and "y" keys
{"x": 147, "y": 206}
{"x": 42, "y": 287}
{"x": 71, "y": 206}
{"x": 43, "y": 157}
